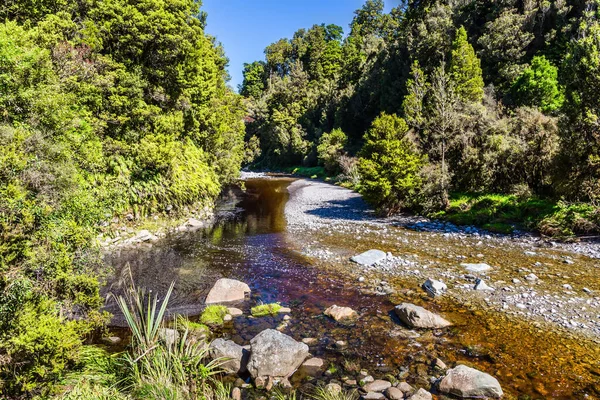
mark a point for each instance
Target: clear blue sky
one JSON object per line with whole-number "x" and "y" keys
{"x": 246, "y": 27}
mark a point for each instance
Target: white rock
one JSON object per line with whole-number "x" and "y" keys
{"x": 418, "y": 317}
{"x": 480, "y": 267}
{"x": 341, "y": 313}
{"x": 227, "y": 291}
{"x": 466, "y": 382}
{"x": 434, "y": 287}
{"x": 481, "y": 285}
{"x": 369, "y": 258}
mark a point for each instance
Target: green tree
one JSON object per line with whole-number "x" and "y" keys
{"x": 538, "y": 86}
{"x": 331, "y": 148}
{"x": 413, "y": 104}
{"x": 255, "y": 80}
{"x": 389, "y": 165}
{"x": 465, "y": 69}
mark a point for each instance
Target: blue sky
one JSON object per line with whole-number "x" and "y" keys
{"x": 246, "y": 27}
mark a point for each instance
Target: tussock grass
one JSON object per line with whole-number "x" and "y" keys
{"x": 264, "y": 310}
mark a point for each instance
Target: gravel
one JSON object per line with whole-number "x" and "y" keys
{"x": 316, "y": 209}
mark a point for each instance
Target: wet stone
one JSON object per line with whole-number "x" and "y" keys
{"x": 377, "y": 386}
{"x": 421, "y": 394}
{"x": 394, "y": 393}
{"x": 369, "y": 258}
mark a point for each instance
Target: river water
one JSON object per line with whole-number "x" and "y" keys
{"x": 253, "y": 245}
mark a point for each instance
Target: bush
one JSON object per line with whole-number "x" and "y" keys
{"x": 331, "y": 149}
{"x": 389, "y": 165}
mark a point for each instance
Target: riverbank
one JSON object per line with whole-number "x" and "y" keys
{"x": 531, "y": 278}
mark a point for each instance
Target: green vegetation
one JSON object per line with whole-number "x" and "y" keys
{"x": 307, "y": 172}
{"x": 107, "y": 109}
{"x": 264, "y": 310}
{"x": 213, "y": 315}
{"x": 498, "y": 97}
{"x": 505, "y": 213}
{"x": 323, "y": 393}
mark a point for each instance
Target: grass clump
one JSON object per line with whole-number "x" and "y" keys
{"x": 264, "y": 310}
{"x": 214, "y": 315}
{"x": 323, "y": 393}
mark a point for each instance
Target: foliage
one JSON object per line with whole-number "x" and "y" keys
{"x": 213, "y": 315}
{"x": 389, "y": 165}
{"x": 538, "y": 86}
{"x": 331, "y": 149}
{"x": 264, "y": 310}
{"x": 324, "y": 393}
{"x": 465, "y": 68}
{"x": 107, "y": 108}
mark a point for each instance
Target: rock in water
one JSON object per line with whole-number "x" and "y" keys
{"x": 418, "y": 317}
{"x": 466, "y": 382}
{"x": 275, "y": 354}
{"x": 313, "y": 366}
{"x": 227, "y": 291}
{"x": 377, "y": 386}
{"x": 481, "y": 267}
{"x": 341, "y": 314}
{"x": 421, "y": 394}
{"x": 235, "y": 356}
{"x": 369, "y": 258}
{"x": 434, "y": 287}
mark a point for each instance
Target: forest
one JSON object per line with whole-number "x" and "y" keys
{"x": 479, "y": 112}
{"x": 474, "y": 111}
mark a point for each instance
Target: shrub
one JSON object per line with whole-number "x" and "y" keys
{"x": 331, "y": 149}
{"x": 389, "y": 165}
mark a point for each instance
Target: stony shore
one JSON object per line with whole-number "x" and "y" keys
{"x": 522, "y": 275}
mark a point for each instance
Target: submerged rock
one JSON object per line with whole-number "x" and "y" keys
{"x": 341, "y": 314}
{"x": 466, "y": 382}
{"x": 235, "y": 356}
{"x": 418, "y": 317}
{"x": 369, "y": 258}
{"x": 275, "y": 354}
{"x": 227, "y": 291}
{"x": 434, "y": 287}
{"x": 480, "y": 267}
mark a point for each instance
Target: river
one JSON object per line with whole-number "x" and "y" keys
{"x": 255, "y": 245}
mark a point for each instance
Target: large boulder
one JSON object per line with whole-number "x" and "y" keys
{"x": 227, "y": 291}
{"x": 341, "y": 314}
{"x": 418, "y": 317}
{"x": 369, "y": 258}
{"x": 234, "y": 356}
{"x": 275, "y": 354}
{"x": 466, "y": 382}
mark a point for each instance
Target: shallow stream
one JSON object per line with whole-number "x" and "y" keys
{"x": 530, "y": 361}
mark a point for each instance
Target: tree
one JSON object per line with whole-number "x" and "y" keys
{"x": 331, "y": 148}
{"x": 255, "y": 80}
{"x": 465, "y": 69}
{"x": 389, "y": 165}
{"x": 413, "y": 104}
{"x": 538, "y": 86}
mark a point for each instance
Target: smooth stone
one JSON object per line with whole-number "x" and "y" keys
{"x": 466, "y": 382}
{"x": 227, "y": 291}
{"x": 481, "y": 285}
{"x": 434, "y": 287}
{"x": 394, "y": 393}
{"x": 313, "y": 366}
{"x": 341, "y": 313}
{"x": 367, "y": 379}
{"x": 333, "y": 388}
{"x": 310, "y": 341}
{"x": 374, "y": 396}
{"x": 439, "y": 364}
{"x": 418, "y": 317}
{"x": 421, "y": 394}
{"x": 377, "y": 386}
{"x": 111, "y": 340}
{"x": 479, "y": 267}
{"x": 235, "y": 357}
{"x": 236, "y": 394}
{"x": 235, "y": 312}
{"x": 369, "y": 258}
{"x": 406, "y": 388}
{"x": 284, "y": 310}
{"x": 275, "y": 354}
{"x": 228, "y": 318}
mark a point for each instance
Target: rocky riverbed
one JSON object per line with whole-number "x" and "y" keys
{"x": 521, "y": 275}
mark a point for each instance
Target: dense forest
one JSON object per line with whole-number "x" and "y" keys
{"x": 438, "y": 104}
{"x": 108, "y": 108}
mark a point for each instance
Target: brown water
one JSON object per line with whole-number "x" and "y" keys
{"x": 530, "y": 362}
